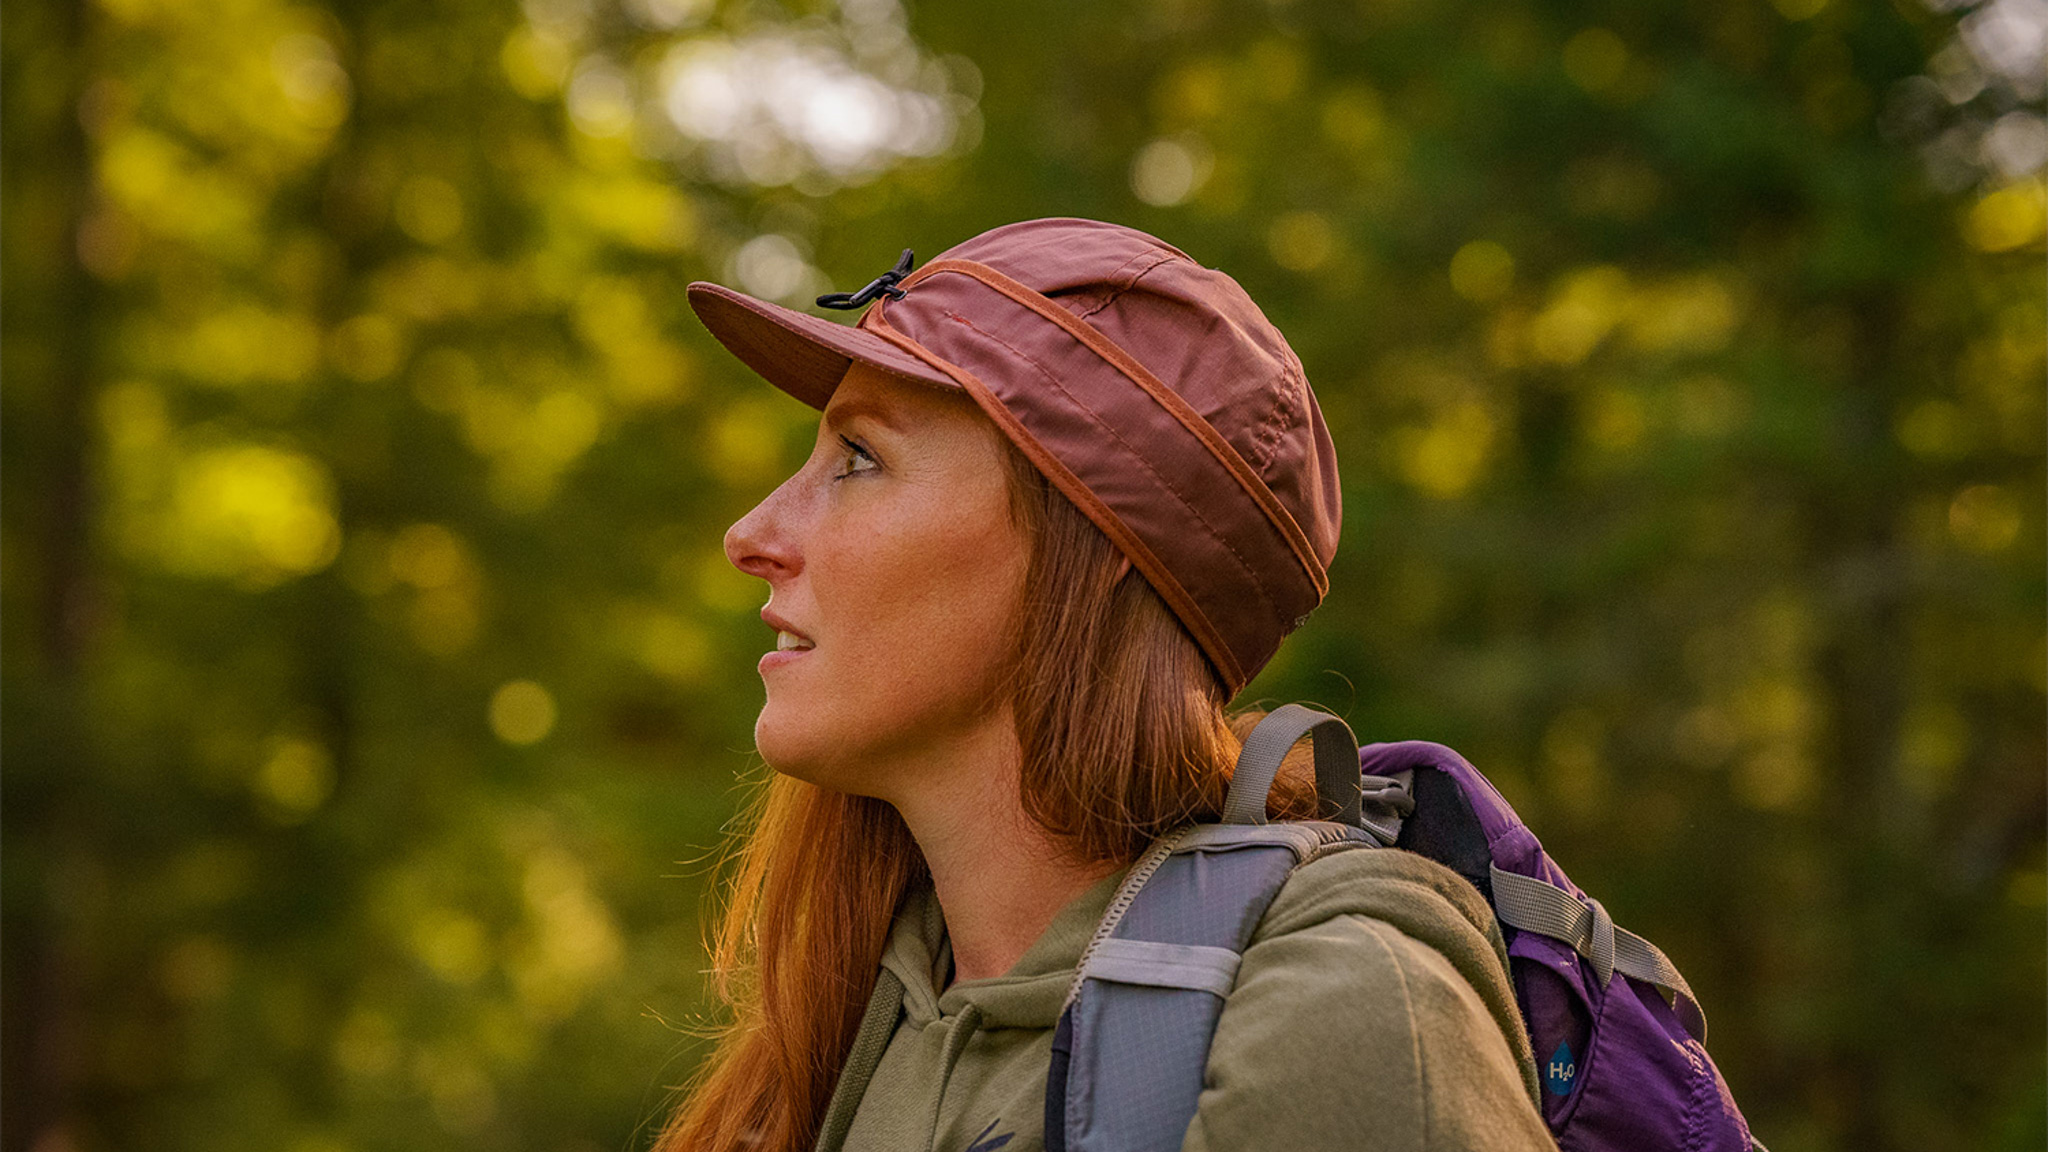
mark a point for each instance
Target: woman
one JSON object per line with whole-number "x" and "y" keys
{"x": 1069, "y": 493}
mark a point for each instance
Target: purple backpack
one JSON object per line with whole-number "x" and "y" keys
{"x": 1618, "y": 1037}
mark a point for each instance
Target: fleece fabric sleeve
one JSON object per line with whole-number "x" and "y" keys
{"x": 1372, "y": 1011}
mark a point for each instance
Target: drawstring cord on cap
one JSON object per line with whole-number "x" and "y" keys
{"x": 883, "y": 285}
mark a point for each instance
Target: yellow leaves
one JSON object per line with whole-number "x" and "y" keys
{"x": 243, "y": 512}
{"x": 315, "y": 87}
{"x": 2011, "y": 218}
{"x": 164, "y": 187}
{"x": 1689, "y": 314}
{"x": 574, "y": 939}
{"x": 534, "y": 63}
{"x": 643, "y": 368}
{"x": 243, "y": 344}
{"x": 444, "y": 614}
{"x": 1695, "y": 313}
{"x": 668, "y": 645}
{"x": 1583, "y": 308}
{"x": 646, "y": 214}
{"x": 530, "y": 442}
{"x": 1761, "y": 713}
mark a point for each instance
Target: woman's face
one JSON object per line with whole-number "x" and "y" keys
{"x": 894, "y": 570}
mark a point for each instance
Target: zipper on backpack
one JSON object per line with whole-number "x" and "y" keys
{"x": 1121, "y": 903}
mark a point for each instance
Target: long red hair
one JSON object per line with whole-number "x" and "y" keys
{"x": 1137, "y": 745}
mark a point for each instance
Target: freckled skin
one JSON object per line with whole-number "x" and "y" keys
{"x": 903, "y": 570}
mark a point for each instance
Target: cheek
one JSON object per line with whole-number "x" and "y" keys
{"x": 930, "y": 601}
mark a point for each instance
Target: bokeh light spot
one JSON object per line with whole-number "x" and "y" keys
{"x": 261, "y": 515}
{"x": 1595, "y": 59}
{"x": 1167, "y": 171}
{"x": 1933, "y": 741}
{"x": 1482, "y": 271}
{"x": 1302, "y": 241}
{"x": 1936, "y": 429}
{"x": 2012, "y": 217}
{"x": 295, "y": 780}
{"x": 428, "y": 209}
{"x": 1984, "y": 518}
{"x": 366, "y": 348}
{"x": 522, "y": 712}
{"x": 1448, "y": 455}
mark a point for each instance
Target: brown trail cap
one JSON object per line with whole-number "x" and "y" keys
{"x": 1149, "y": 389}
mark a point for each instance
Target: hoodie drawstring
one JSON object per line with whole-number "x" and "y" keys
{"x": 965, "y": 1026}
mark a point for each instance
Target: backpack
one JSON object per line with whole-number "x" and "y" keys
{"x": 1618, "y": 1036}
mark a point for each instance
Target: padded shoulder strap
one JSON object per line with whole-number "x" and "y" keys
{"x": 1132, "y": 1046}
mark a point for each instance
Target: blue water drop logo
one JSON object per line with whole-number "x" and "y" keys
{"x": 1562, "y": 1072}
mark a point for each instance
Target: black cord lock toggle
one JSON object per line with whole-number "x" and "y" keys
{"x": 883, "y": 285}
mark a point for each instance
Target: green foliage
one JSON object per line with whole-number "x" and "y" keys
{"x": 376, "y": 689}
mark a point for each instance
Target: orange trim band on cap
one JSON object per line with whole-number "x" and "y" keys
{"x": 1141, "y": 555}
{"x": 1167, "y": 398}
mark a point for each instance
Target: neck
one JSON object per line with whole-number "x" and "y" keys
{"x": 999, "y": 878}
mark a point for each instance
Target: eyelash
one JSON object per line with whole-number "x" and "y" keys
{"x": 859, "y": 452}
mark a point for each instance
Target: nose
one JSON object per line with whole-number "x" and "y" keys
{"x": 760, "y": 543}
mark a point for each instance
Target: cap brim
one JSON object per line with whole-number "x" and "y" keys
{"x": 805, "y": 356}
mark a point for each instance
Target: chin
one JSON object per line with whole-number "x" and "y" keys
{"x": 795, "y": 748}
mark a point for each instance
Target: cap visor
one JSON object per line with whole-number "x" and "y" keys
{"x": 803, "y": 355}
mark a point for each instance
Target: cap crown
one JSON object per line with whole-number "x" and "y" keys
{"x": 1216, "y": 475}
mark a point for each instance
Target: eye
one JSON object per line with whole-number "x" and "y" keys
{"x": 856, "y": 458}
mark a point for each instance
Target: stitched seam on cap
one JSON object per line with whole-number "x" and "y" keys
{"x": 1158, "y": 258}
{"x": 1053, "y": 378}
{"x": 1226, "y": 452}
{"x": 1278, "y": 420}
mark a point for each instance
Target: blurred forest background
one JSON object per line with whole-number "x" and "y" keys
{"x": 377, "y": 694}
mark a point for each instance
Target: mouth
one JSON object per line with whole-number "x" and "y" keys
{"x": 791, "y": 642}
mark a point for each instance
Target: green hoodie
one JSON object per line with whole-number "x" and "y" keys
{"x": 1372, "y": 1010}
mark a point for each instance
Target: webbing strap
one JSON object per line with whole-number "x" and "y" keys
{"x": 1533, "y": 906}
{"x": 1337, "y": 775}
{"x": 1301, "y": 838}
{"x": 1196, "y": 967}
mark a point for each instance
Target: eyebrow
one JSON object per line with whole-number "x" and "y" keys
{"x": 839, "y": 414}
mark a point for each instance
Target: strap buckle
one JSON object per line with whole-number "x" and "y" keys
{"x": 883, "y": 285}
